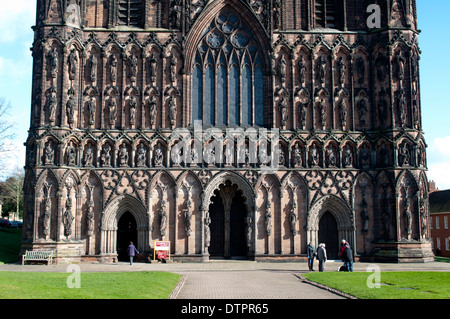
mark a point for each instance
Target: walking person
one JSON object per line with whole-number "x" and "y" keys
{"x": 311, "y": 254}
{"x": 132, "y": 251}
{"x": 347, "y": 256}
{"x": 321, "y": 256}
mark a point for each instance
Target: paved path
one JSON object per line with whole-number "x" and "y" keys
{"x": 236, "y": 279}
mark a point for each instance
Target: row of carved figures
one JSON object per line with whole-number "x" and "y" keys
{"x": 243, "y": 155}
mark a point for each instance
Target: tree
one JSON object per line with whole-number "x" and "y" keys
{"x": 11, "y": 193}
{"x": 7, "y": 149}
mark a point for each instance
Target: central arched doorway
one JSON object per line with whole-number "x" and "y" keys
{"x": 126, "y": 232}
{"x": 228, "y": 227}
{"x": 328, "y": 235}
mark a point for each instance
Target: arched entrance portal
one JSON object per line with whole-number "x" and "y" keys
{"x": 228, "y": 227}
{"x": 328, "y": 235}
{"x": 330, "y": 220}
{"x": 126, "y": 232}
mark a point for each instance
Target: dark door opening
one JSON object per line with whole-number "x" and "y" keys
{"x": 328, "y": 235}
{"x": 217, "y": 226}
{"x": 237, "y": 226}
{"x": 126, "y": 232}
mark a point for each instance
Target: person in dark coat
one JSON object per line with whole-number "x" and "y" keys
{"x": 321, "y": 256}
{"x": 347, "y": 256}
{"x": 311, "y": 254}
{"x": 132, "y": 251}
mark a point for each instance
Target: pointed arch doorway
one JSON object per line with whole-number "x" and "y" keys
{"x": 228, "y": 227}
{"x": 126, "y": 232}
{"x": 328, "y": 235}
{"x": 330, "y": 220}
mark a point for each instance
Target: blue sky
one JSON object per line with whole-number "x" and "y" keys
{"x": 16, "y": 37}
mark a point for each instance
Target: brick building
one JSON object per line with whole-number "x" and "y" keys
{"x": 439, "y": 218}
{"x": 231, "y": 128}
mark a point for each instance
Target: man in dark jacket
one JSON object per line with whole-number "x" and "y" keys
{"x": 347, "y": 256}
{"x": 132, "y": 251}
{"x": 321, "y": 256}
{"x": 310, "y": 253}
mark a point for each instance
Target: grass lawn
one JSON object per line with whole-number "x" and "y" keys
{"x": 100, "y": 285}
{"x": 394, "y": 285}
{"x": 10, "y": 241}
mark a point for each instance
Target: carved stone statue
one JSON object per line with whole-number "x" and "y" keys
{"x": 46, "y": 215}
{"x": 175, "y": 14}
{"x": 70, "y": 107}
{"x": 162, "y": 218}
{"x": 302, "y": 113}
{"x": 402, "y": 108}
{"x": 90, "y": 212}
{"x": 71, "y": 155}
{"x": 141, "y": 155}
{"x": 112, "y": 109}
{"x": 400, "y": 66}
{"x": 158, "y": 156}
{"x": 89, "y": 155}
{"x": 172, "y": 110}
{"x": 72, "y": 64}
{"x": 341, "y": 70}
{"x": 68, "y": 216}
{"x": 293, "y": 218}
{"x": 52, "y": 104}
{"x": 268, "y": 219}
{"x": 302, "y": 70}
{"x": 153, "y": 67}
{"x": 113, "y": 64}
{"x": 106, "y": 155}
{"x": 49, "y": 154}
{"x": 173, "y": 68}
{"x": 92, "y": 64}
{"x": 331, "y": 157}
{"x": 404, "y": 155}
{"x": 283, "y": 111}
{"x": 91, "y": 107}
{"x": 188, "y": 217}
{"x": 322, "y": 63}
{"x": 297, "y": 156}
{"x": 408, "y": 216}
{"x": 348, "y": 157}
{"x": 123, "y": 155}
{"x": 133, "y": 66}
{"x": 276, "y": 14}
{"x": 133, "y": 106}
{"x": 314, "y": 156}
{"x": 53, "y": 62}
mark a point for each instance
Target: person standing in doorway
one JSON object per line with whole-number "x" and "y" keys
{"x": 321, "y": 256}
{"x": 132, "y": 251}
{"x": 311, "y": 254}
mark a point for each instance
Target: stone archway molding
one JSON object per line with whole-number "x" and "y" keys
{"x": 340, "y": 211}
{"x": 249, "y": 196}
{"x": 111, "y": 216}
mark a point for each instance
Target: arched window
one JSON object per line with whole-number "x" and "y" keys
{"x": 227, "y": 75}
{"x": 129, "y": 12}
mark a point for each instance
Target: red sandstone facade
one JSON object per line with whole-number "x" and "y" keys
{"x": 335, "y": 106}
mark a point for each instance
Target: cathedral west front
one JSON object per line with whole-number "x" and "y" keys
{"x": 234, "y": 129}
